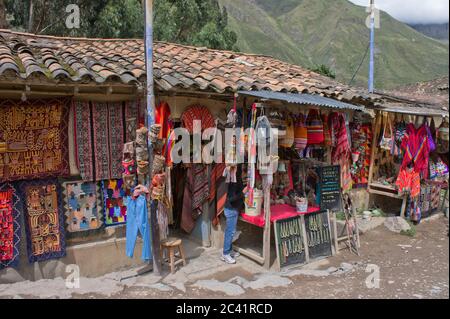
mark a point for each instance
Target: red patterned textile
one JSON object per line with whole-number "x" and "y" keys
{"x": 200, "y": 113}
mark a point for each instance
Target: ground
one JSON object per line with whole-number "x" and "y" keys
{"x": 409, "y": 267}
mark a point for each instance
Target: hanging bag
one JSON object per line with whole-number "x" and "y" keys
{"x": 326, "y": 131}
{"x": 301, "y": 133}
{"x": 387, "y": 142}
{"x": 289, "y": 138}
{"x": 314, "y": 126}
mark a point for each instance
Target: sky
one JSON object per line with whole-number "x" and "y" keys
{"x": 413, "y": 11}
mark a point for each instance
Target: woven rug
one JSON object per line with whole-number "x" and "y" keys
{"x": 82, "y": 203}
{"x": 44, "y": 219}
{"x": 114, "y": 196}
{"x": 9, "y": 226}
{"x": 116, "y": 139}
{"x": 83, "y": 140}
{"x": 34, "y": 139}
{"x": 101, "y": 140}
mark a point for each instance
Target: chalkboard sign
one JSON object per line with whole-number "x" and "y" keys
{"x": 318, "y": 234}
{"x": 290, "y": 244}
{"x": 330, "y": 187}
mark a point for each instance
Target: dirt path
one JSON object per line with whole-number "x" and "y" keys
{"x": 408, "y": 268}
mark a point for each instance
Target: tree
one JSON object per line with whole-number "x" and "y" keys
{"x": 3, "y": 21}
{"x": 194, "y": 22}
{"x": 324, "y": 70}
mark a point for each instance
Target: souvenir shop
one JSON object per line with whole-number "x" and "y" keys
{"x": 323, "y": 149}
{"x": 410, "y": 160}
{"x": 61, "y": 174}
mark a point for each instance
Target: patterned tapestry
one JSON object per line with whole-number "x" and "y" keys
{"x": 132, "y": 119}
{"x": 101, "y": 140}
{"x": 9, "y": 226}
{"x": 82, "y": 206}
{"x": 83, "y": 140}
{"x": 44, "y": 220}
{"x": 33, "y": 139}
{"x": 108, "y": 132}
{"x": 116, "y": 139}
{"x": 115, "y": 209}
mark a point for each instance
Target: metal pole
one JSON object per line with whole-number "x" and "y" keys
{"x": 372, "y": 46}
{"x": 150, "y": 120}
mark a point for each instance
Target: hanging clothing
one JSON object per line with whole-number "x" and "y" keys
{"x": 340, "y": 152}
{"x": 137, "y": 221}
{"x": 200, "y": 113}
{"x": 417, "y": 149}
{"x": 196, "y": 192}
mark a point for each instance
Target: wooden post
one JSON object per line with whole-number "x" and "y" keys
{"x": 376, "y": 129}
{"x": 266, "y": 244}
{"x": 150, "y": 120}
{"x": 305, "y": 239}
{"x": 335, "y": 234}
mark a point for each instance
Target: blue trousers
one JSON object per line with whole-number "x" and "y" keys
{"x": 137, "y": 221}
{"x": 232, "y": 219}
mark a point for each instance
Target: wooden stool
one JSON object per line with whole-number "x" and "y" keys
{"x": 170, "y": 244}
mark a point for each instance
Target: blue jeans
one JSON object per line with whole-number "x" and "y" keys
{"x": 232, "y": 218}
{"x": 137, "y": 220}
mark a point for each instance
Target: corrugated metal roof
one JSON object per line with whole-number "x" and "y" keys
{"x": 299, "y": 98}
{"x": 412, "y": 110}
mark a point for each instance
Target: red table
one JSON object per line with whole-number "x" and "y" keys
{"x": 278, "y": 212}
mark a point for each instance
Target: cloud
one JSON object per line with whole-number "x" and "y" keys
{"x": 413, "y": 11}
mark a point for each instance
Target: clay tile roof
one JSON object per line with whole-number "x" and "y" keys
{"x": 176, "y": 66}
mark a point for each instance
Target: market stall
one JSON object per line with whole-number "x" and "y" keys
{"x": 409, "y": 158}
{"x": 312, "y": 168}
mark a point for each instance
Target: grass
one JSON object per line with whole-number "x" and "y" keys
{"x": 411, "y": 232}
{"x": 333, "y": 33}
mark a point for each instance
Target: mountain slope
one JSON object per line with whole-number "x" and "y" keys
{"x": 312, "y": 32}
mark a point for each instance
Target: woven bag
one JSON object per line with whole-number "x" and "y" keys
{"x": 300, "y": 133}
{"x": 326, "y": 131}
{"x": 314, "y": 125}
{"x": 289, "y": 138}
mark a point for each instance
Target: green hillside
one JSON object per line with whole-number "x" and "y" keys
{"x": 313, "y": 32}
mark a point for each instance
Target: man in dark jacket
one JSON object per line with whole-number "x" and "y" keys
{"x": 233, "y": 206}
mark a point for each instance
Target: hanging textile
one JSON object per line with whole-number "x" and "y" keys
{"x": 340, "y": 152}
{"x": 33, "y": 139}
{"x": 83, "y": 140}
{"x": 315, "y": 128}
{"x": 199, "y": 113}
{"x": 132, "y": 109}
{"x": 196, "y": 192}
{"x": 9, "y": 226}
{"x": 138, "y": 223}
{"x": 417, "y": 150}
{"x": 101, "y": 140}
{"x": 116, "y": 139}
{"x": 301, "y": 133}
{"x": 82, "y": 206}
{"x": 163, "y": 118}
{"x": 44, "y": 220}
{"x": 361, "y": 152}
{"x": 113, "y": 197}
{"x": 107, "y": 134}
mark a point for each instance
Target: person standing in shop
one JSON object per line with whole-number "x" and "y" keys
{"x": 233, "y": 206}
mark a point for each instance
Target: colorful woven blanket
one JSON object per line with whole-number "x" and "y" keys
{"x": 44, "y": 220}
{"x": 9, "y": 226}
{"x": 33, "y": 135}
